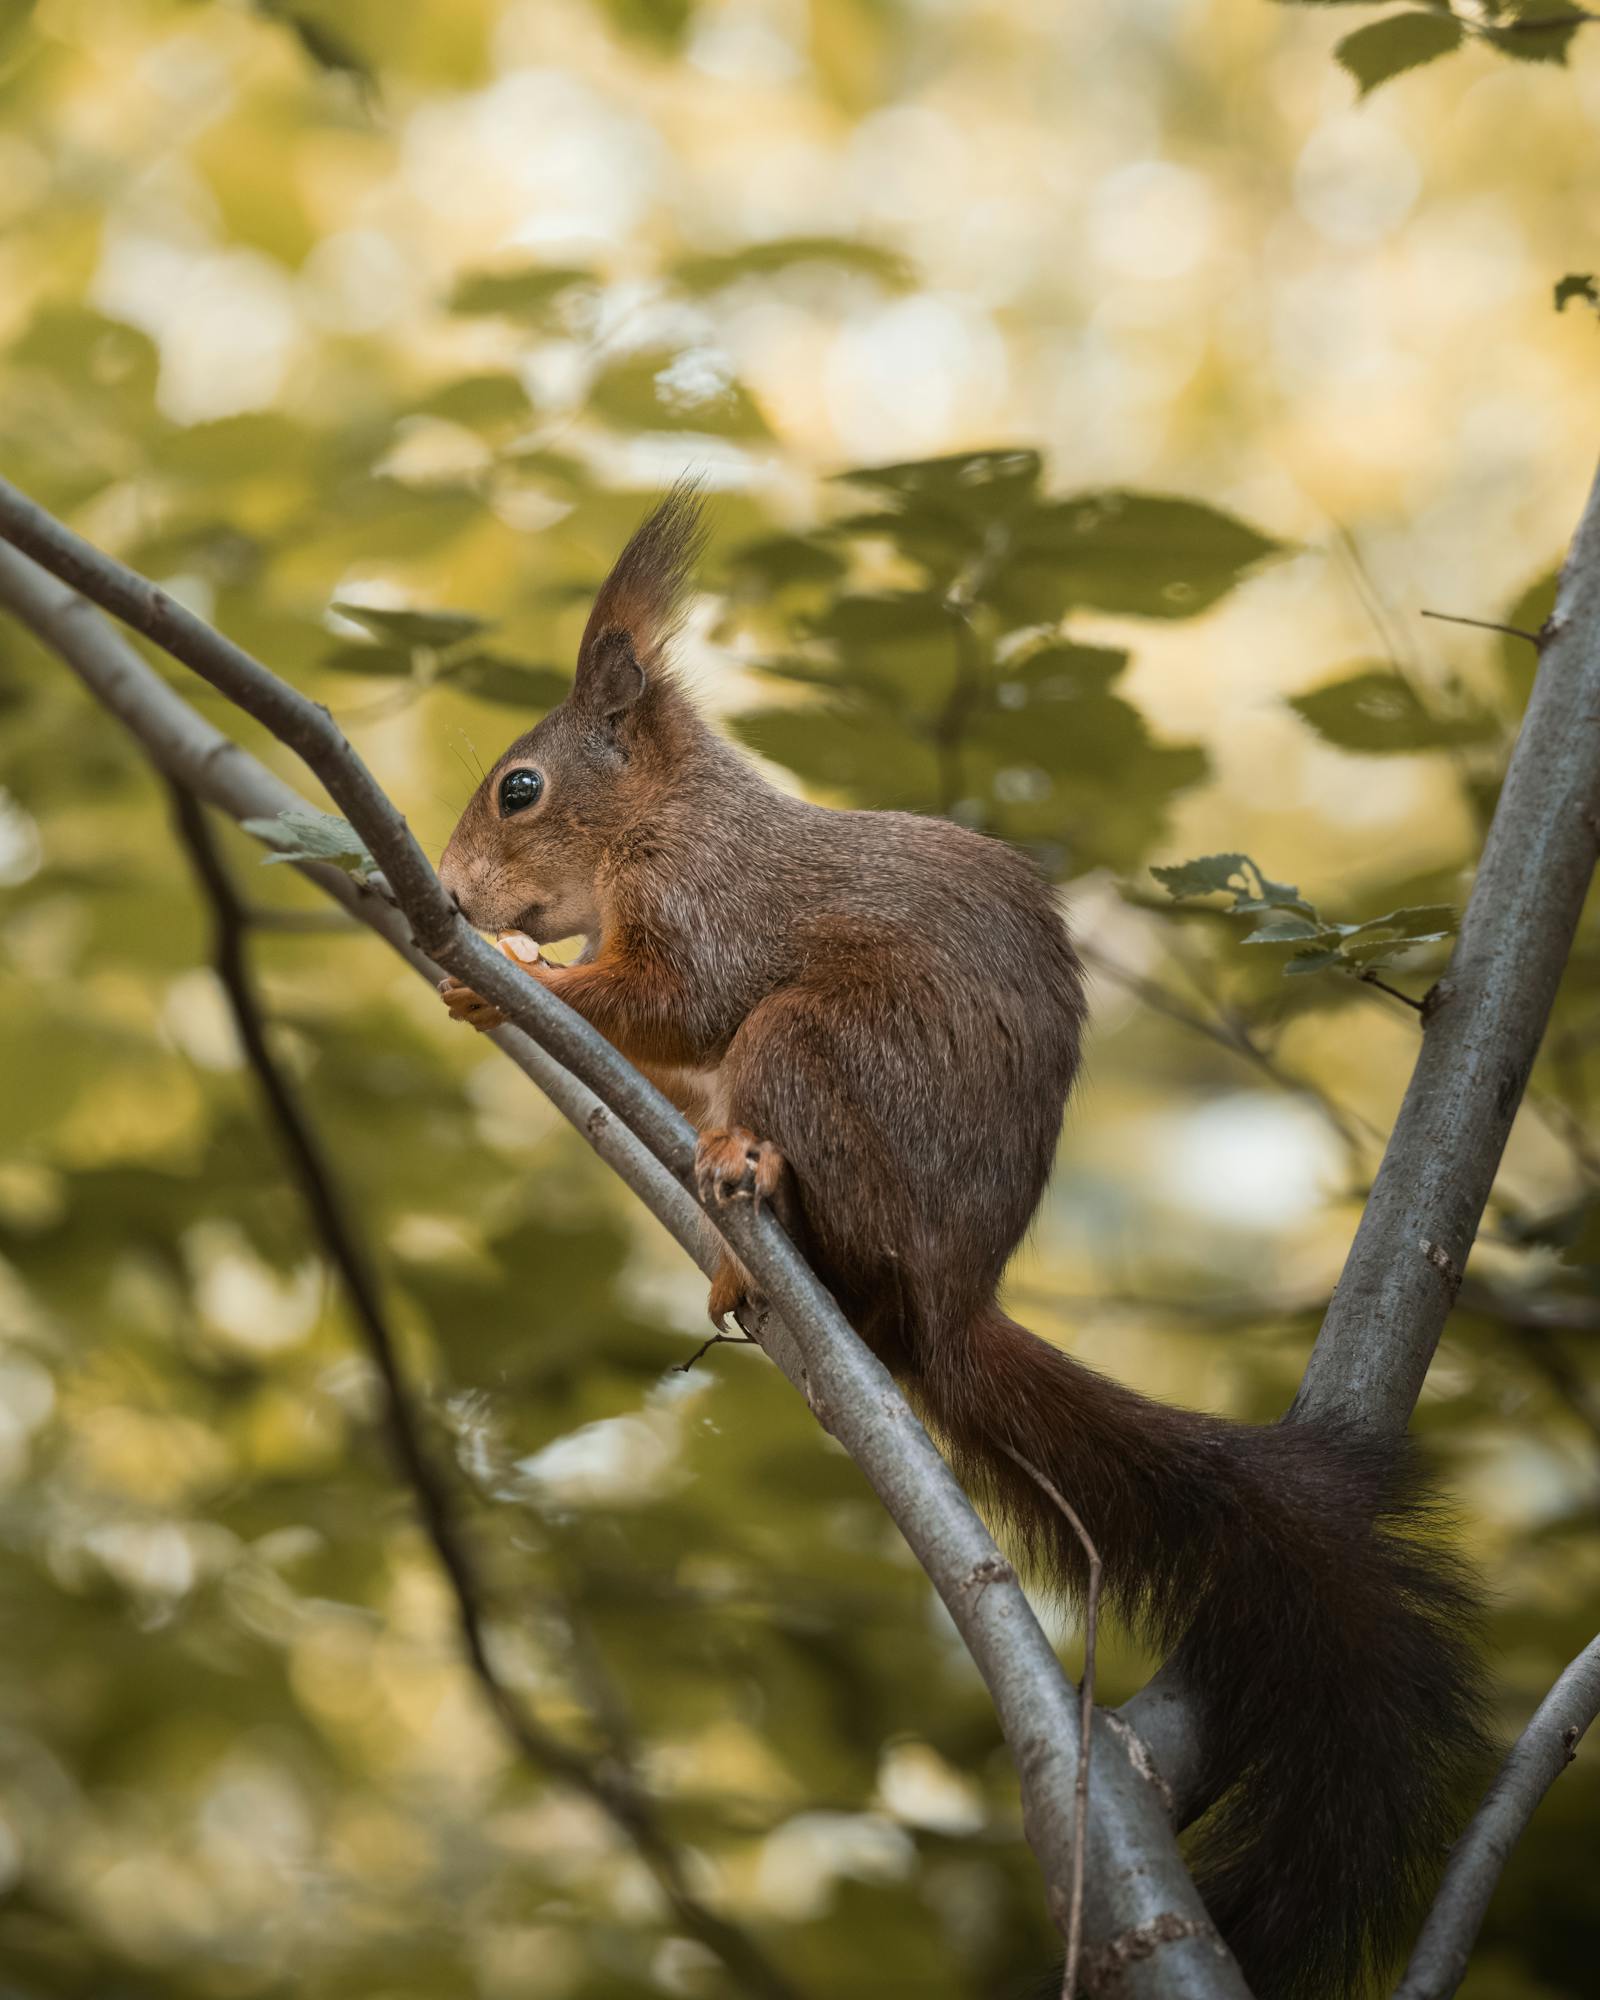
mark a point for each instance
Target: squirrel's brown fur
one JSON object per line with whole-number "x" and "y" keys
{"x": 878, "y": 1017}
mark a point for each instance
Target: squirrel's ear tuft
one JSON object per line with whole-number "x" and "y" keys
{"x": 639, "y": 603}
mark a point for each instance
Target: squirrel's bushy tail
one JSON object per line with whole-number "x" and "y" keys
{"x": 1293, "y": 1575}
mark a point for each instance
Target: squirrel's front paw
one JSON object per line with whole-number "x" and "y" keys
{"x": 465, "y": 1005}
{"x": 731, "y": 1164}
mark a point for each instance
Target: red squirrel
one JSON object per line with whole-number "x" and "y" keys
{"x": 875, "y": 1019}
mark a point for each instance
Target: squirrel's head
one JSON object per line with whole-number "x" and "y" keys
{"x": 529, "y": 851}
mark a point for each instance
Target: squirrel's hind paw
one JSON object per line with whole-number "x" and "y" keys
{"x": 731, "y": 1164}
{"x": 730, "y": 1289}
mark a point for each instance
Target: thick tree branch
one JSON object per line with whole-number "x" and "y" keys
{"x": 1483, "y": 1025}
{"x": 1539, "y": 1756}
{"x": 611, "y": 1783}
{"x": 1135, "y": 1880}
{"x": 1481, "y": 1031}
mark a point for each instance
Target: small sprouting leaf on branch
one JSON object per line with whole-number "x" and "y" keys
{"x": 1525, "y": 30}
{"x": 1577, "y": 285}
{"x": 1533, "y": 30}
{"x": 1388, "y": 48}
{"x": 1377, "y": 713}
{"x": 1320, "y": 944}
{"x": 1235, "y": 875}
{"x": 305, "y": 835}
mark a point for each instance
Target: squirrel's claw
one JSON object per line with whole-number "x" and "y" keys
{"x": 728, "y": 1290}
{"x": 731, "y": 1164}
{"x": 465, "y": 1005}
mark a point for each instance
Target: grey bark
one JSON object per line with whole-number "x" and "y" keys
{"x": 1539, "y": 1756}
{"x": 1482, "y": 1026}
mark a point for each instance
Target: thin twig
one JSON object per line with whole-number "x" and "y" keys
{"x": 716, "y": 1340}
{"x": 1539, "y": 1756}
{"x": 1370, "y": 978}
{"x": 612, "y": 1787}
{"x": 1091, "y": 1625}
{"x": 1482, "y": 625}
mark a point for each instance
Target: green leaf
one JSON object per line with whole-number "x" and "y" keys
{"x": 303, "y": 834}
{"x": 1142, "y": 554}
{"x": 433, "y": 631}
{"x": 776, "y": 562}
{"x": 787, "y": 253}
{"x": 1535, "y": 30}
{"x": 1390, "y": 47}
{"x": 1235, "y": 875}
{"x": 662, "y": 23}
{"x": 1422, "y": 923}
{"x": 1311, "y": 961}
{"x": 478, "y": 402}
{"x": 509, "y": 683}
{"x": 677, "y": 389}
{"x": 329, "y": 50}
{"x": 1376, "y": 713}
{"x": 373, "y": 662}
{"x": 973, "y": 483}
{"x": 530, "y": 292}
{"x": 1290, "y": 930}
{"x": 1060, "y": 672}
{"x": 1577, "y": 285}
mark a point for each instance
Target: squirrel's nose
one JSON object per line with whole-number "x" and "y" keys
{"x": 458, "y": 879}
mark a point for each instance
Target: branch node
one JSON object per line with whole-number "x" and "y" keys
{"x": 1103, "y": 1969}
{"x": 993, "y": 1569}
{"x": 1438, "y": 996}
{"x": 1443, "y": 1262}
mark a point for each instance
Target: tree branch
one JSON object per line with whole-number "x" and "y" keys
{"x": 1539, "y": 1756}
{"x": 611, "y": 1783}
{"x": 1135, "y": 1880}
{"x": 1481, "y": 1032}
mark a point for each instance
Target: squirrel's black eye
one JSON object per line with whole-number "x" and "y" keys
{"x": 519, "y": 790}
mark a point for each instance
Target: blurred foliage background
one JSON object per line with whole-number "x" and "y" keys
{"x": 1171, "y": 382}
